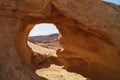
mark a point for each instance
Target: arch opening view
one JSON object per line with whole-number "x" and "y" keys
{"x": 44, "y": 39}
{"x": 43, "y": 29}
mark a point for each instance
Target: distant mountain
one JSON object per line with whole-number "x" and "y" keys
{"x": 44, "y": 39}
{"x": 48, "y": 41}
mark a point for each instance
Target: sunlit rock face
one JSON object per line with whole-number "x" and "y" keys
{"x": 90, "y": 32}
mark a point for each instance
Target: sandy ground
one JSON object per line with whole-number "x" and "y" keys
{"x": 54, "y": 72}
{"x": 42, "y": 50}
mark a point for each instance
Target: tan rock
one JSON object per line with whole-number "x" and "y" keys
{"x": 90, "y": 32}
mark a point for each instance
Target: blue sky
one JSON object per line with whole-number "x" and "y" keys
{"x": 43, "y": 29}
{"x": 46, "y": 29}
{"x": 113, "y": 1}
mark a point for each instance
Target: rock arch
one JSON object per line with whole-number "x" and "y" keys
{"x": 90, "y": 36}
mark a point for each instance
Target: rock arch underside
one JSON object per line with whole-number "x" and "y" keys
{"x": 90, "y": 32}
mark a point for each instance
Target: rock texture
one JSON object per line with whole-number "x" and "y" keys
{"x": 90, "y": 32}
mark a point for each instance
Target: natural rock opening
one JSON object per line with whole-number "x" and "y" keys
{"x": 45, "y": 35}
{"x": 45, "y": 59}
{"x": 43, "y": 44}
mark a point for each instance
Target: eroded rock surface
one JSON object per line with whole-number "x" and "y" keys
{"x": 90, "y": 32}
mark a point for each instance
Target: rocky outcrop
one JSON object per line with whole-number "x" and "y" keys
{"x": 48, "y": 41}
{"x": 90, "y": 36}
{"x": 44, "y": 39}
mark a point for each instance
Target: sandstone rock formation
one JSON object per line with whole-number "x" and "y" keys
{"x": 90, "y": 32}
